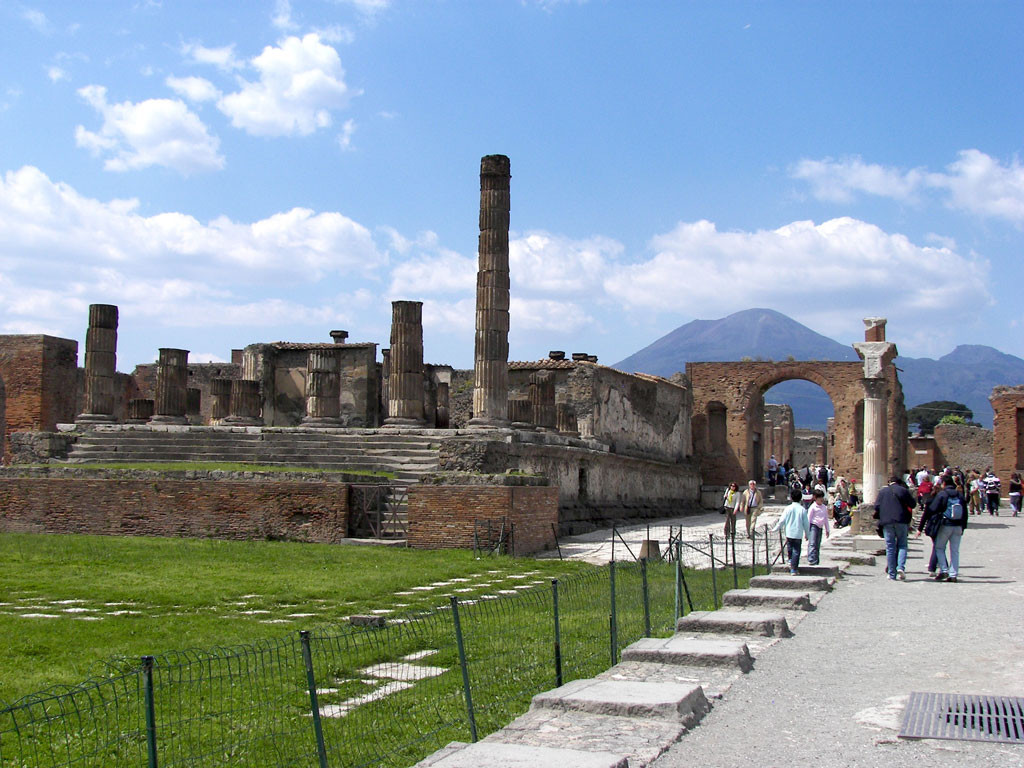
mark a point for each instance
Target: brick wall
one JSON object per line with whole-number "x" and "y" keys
{"x": 964, "y": 447}
{"x": 442, "y": 516}
{"x": 172, "y": 507}
{"x": 1008, "y": 431}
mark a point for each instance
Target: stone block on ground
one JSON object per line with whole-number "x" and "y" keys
{"x": 715, "y": 681}
{"x": 804, "y": 582}
{"x": 787, "y": 599}
{"x": 627, "y": 698}
{"x": 695, "y": 652}
{"x": 853, "y": 558}
{"x": 872, "y": 545}
{"x": 642, "y": 739}
{"x": 762, "y": 624}
{"x": 497, "y": 755}
{"x": 829, "y": 571}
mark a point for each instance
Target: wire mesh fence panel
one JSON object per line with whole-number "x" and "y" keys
{"x": 584, "y": 612}
{"x": 244, "y": 706}
{"x": 97, "y": 724}
{"x": 389, "y": 695}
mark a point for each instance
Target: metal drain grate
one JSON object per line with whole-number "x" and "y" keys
{"x": 963, "y": 717}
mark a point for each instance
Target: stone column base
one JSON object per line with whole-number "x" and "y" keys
{"x": 482, "y": 423}
{"x": 394, "y": 421}
{"x": 241, "y": 421}
{"x": 320, "y": 422}
{"x": 86, "y": 419}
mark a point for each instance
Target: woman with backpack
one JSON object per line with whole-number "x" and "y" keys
{"x": 945, "y": 519}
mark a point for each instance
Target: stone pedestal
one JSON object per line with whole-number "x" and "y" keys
{"x": 490, "y": 356}
{"x": 323, "y": 388}
{"x": 405, "y": 361}
{"x": 171, "y": 387}
{"x": 443, "y": 418}
{"x": 100, "y": 365}
{"x": 542, "y": 400}
{"x": 520, "y": 412}
{"x": 220, "y": 399}
{"x": 140, "y": 411}
{"x": 245, "y": 406}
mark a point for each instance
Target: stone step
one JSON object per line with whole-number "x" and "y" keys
{"x": 768, "y": 598}
{"x": 723, "y": 622}
{"x": 784, "y": 581}
{"x": 853, "y": 558}
{"x": 871, "y": 545}
{"x": 494, "y": 754}
{"x": 627, "y": 698}
{"x": 828, "y": 571}
{"x": 691, "y": 652}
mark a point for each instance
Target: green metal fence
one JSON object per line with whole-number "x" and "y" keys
{"x": 362, "y": 695}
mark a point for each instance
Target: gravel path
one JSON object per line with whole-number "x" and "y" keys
{"x": 833, "y": 695}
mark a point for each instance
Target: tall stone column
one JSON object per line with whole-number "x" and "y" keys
{"x": 323, "y": 388}
{"x": 405, "y": 384}
{"x": 245, "y": 405}
{"x": 877, "y": 354}
{"x": 490, "y": 356}
{"x": 542, "y": 398}
{"x": 171, "y": 387}
{"x": 100, "y": 365}
{"x": 220, "y": 399}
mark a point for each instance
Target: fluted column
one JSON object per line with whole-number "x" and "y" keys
{"x": 140, "y": 411}
{"x": 171, "y": 387}
{"x": 877, "y": 355}
{"x": 100, "y": 364}
{"x": 323, "y": 388}
{"x": 490, "y": 357}
{"x": 565, "y": 418}
{"x": 443, "y": 418}
{"x": 542, "y": 398}
{"x": 405, "y": 384}
{"x": 520, "y": 412}
{"x": 245, "y": 405}
{"x": 220, "y": 399}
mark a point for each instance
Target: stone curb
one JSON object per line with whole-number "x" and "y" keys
{"x": 785, "y": 581}
{"x": 627, "y": 698}
{"x": 689, "y": 651}
{"x": 727, "y": 622}
{"x": 768, "y": 598}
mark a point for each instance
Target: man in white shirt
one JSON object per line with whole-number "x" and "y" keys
{"x": 751, "y": 504}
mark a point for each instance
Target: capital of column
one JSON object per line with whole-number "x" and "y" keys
{"x": 876, "y": 356}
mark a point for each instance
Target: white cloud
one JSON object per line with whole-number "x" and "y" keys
{"x": 223, "y": 58}
{"x": 542, "y": 262}
{"x": 368, "y": 7}
{"x": 37, "y": 19}
{"x": 300, "y": 82}
{"x": 554, "y": 316}
{"x": 345, "y": 137}
{"x": 56, "y": 74}
{"x": 335, "y": 33}
{"x": 152, "y": 132}
{"x": 975, "y": 183}
{"x": 820, "y": 274}
{"x": 431, "y": 270}
{"x": 282, "y": 18}
{"x": 193, "y": 88}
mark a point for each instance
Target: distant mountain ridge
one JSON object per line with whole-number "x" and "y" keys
{"x": 966, "y": 375}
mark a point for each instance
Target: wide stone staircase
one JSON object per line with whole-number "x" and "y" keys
{"x": 406, "y": 456}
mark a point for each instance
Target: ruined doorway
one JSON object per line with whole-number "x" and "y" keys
{"x": 799, "y": 424}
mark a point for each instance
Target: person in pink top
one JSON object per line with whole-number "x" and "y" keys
{"x": 817, "y": 518}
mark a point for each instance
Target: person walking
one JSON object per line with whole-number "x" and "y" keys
{"x": 991, "y": 485}
{"x": 894, "y": 508}
{"x": 817, "y": 520}
{"x": 730, "y": 503}
{"x": 1015, "y": 493}
{"x": 773, "y": 471}
{"x": 751, "y": 505}
{"x": 794, "y": 526}
{"x": 947, "y": 516}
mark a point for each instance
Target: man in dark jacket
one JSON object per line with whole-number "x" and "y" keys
{"x": 894, "y": 509}
{"x": 950, "y": 506}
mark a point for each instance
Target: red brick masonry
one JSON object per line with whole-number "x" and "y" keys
{"x": 170, "y": 507}
{"x": 442, "y": 516}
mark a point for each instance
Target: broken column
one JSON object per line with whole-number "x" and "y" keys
{"x": 220, "y": 399}
{"x": 323, "y": 388}
{"x": 877, "y": 354}
{"x": 405, "y": 361}
{"x": 542, "y": 398}
{"x": 245, "y": 407}
{"x": 565, "y": 417}
{"x": 100, "y": 365}
{"x": 520, "y": 412}
{"x": 171, "y": 387}
{"x": 490, "y": 355}
{"x": 140, "y": 410}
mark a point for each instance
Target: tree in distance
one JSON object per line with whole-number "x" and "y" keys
{"x": 927, "y": 415}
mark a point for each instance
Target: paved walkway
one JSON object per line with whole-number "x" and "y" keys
{"x": 833, "y": 694}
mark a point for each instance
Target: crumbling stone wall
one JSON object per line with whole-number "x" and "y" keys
{"x": 966, "y": 447}
{"x": 171, "y": 506}
{"x": 445, "y": 516}
{"x": 733, "y": 393}
{"x": 40, "y": 376}
{"x": 1008, "y": 431}
{"x": 808, "y": 447}
{"x": 460, "y": 397}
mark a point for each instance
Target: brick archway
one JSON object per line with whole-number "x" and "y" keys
{"x": 740, "y": 387}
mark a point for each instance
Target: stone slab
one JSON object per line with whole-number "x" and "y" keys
{"x": 715, "y": 681}
{"x": 762, "y": 624}
{"x": 642, "y": 739}
{"x": 690, "y": 651}
{"x": 497, "y": 755}
{"x": 872, "y": 545}
{"x": 626, "y": 698}
{"x": 787, "y": 599}
{"x": 829, "y": 571}
{"x": 853, "y": 558}
{"x": 802, "y": 582}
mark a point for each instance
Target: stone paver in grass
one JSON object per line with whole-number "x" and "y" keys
{"x": 420, "y": 589}
{"x": 300, "y": 615}
{"x": 87, "y": 618}
{"x": 405, "y": 594}
{"x": 78, "y": 609}
{"x": 342, "y": 709}
{"x": 123, "y": 613}
{"x": 458, "y": 580}
{"x": 248, "y": 597}
{"x": 405, "y": 672}
{"x": 381, "y": 611}
{"x": 465, "y": 589}
{"x": 68, "y": 602}
{"x": 38, "y": 615}
{"x": 506, "y": 591}
{"x": 255, "y": 611}
{"x": 419, "y": 654}
{"x": 275, "y": 621}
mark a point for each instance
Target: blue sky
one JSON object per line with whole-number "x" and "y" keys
{"x": 229, "y": 173}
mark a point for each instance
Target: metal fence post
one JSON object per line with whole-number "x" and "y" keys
{"x": 682, "y": 578}
{"x": 307, "y": 659}
{"x": 679, "y": 584}
{"x": 558, "y": 634}
{"x": 735, "y": 575}
{"x": 647, "y": 598}
{"x": 714, "y": 580}
{"x": 613, "y": 627}
{"x": 753, "y": 555}
{"x": 147, "y": 682}
{"x": 767, "y": 551}
{"x": 465, "y": 667}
